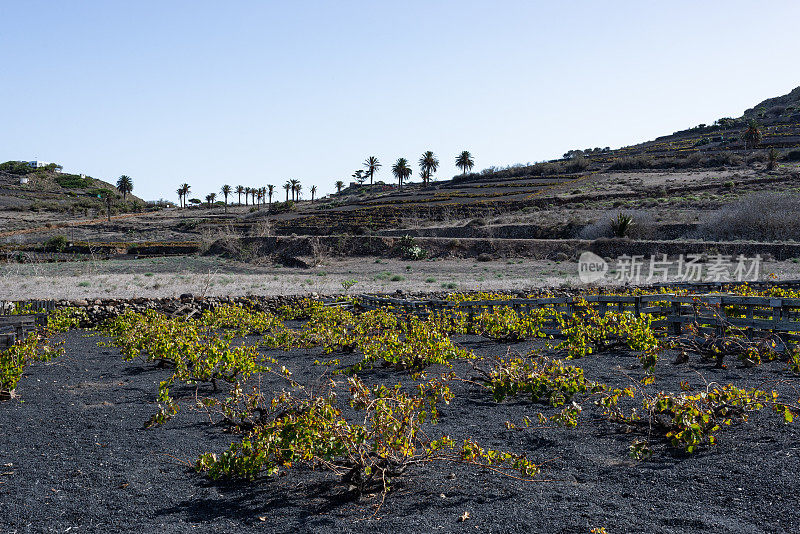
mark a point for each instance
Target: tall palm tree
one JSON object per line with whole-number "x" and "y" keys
{"x": 124, "y": 185}
{"x": 298, "y": 189}
{"x": 294, "y": 183}
{"x": 253, "y": 191}
{"x": 180, "y": 197}
{"x": 465, "y": 162}
{"x": 226, "y": 190}
{"x": 211, "y": 198}
{"x": 428, "y": 164}
{"x": 401, "y": 171}
{"x": 270, "y": 191}
{"x": 339, "y": 186}
{"x": 287, "y": 186}
{"x": 239, "y": 191}
{"x": 372, "y": 164}
{"x": 246, "y": 195}
{"x": 313, "y": 192}
{"x": 185, "y": 188}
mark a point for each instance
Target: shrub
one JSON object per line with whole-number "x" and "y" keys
{"x": 409, "y": 250}
{"x": 56, "y": 243}
{"x": 16, "y": 167}
{"x": 307, "y": 428}
{"x": 632, "y": 163}
{"x": 73, "y": 181}
{"x": 758, "y": 216}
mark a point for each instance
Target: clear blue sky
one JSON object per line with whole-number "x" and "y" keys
{"x": 255, "y": 93}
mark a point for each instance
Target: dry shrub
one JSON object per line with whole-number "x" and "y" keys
{"x": 262, "y": 228}
{"x": 756, "y": 217}
{"x": 225, "y": 238}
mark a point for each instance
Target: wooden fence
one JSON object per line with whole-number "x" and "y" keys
{"x": 780, "y": 315}
{"x": 14, "y": 327}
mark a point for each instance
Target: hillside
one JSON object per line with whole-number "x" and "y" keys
{"x": 706, "y": 159}
{"x": 48, "y": 195}
{"x": 700, "y": 183}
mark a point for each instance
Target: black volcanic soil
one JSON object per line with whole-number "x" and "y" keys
{"x": 74, "y": 458}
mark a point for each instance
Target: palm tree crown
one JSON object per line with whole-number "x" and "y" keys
{"x": 465, "y": 162}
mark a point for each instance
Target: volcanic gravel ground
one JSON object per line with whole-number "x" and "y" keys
{"x": 74, "y": 457}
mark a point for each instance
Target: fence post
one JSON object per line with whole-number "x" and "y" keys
{"x": 675, "y": 319}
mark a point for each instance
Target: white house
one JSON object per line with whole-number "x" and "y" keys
{"x": 39, "y": 164}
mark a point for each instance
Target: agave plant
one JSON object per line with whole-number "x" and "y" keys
{"x": 621, "y": 224}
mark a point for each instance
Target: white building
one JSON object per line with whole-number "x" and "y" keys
{"x": 39, "y": 164}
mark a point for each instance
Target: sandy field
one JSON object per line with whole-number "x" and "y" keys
{"x": 211, "y": 276}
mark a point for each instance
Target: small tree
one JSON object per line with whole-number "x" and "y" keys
{"x": 124, "y": 185}
{"x": 313, "y": 192}
{"x": 339, "y": 186}
{"x": 211, "y": 198}
{"x": 772, "y": 159}
{"x": 753, "y": 135}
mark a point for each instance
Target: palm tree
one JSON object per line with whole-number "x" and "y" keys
{"x": 239, "y": 191}
{"x": 246, "y": 195}
{"x": 226, "y": 190}
{"x": 428, "y": 164}
{"x": 294, "y": 184}
{"x": 372, "y": 164}
{"x": 270, "y": 191}
{"x": 298, "y": 189}
{"x": 401, "y": 171}
{"x": 253, "y": 191}
{"x": 339, "y": 186}
{"x": 772, "y": 159}
{"x": 124, "y": 185}
{"x": 465, "y": 162}
{"x": 313, "y": 192}
{"x": 752, "y": 137}
{"x": 211, "y": 198}
{"x": 287, "y": 186}
{"x": 180, "y": 197}
{"x": 185, "y": 188}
